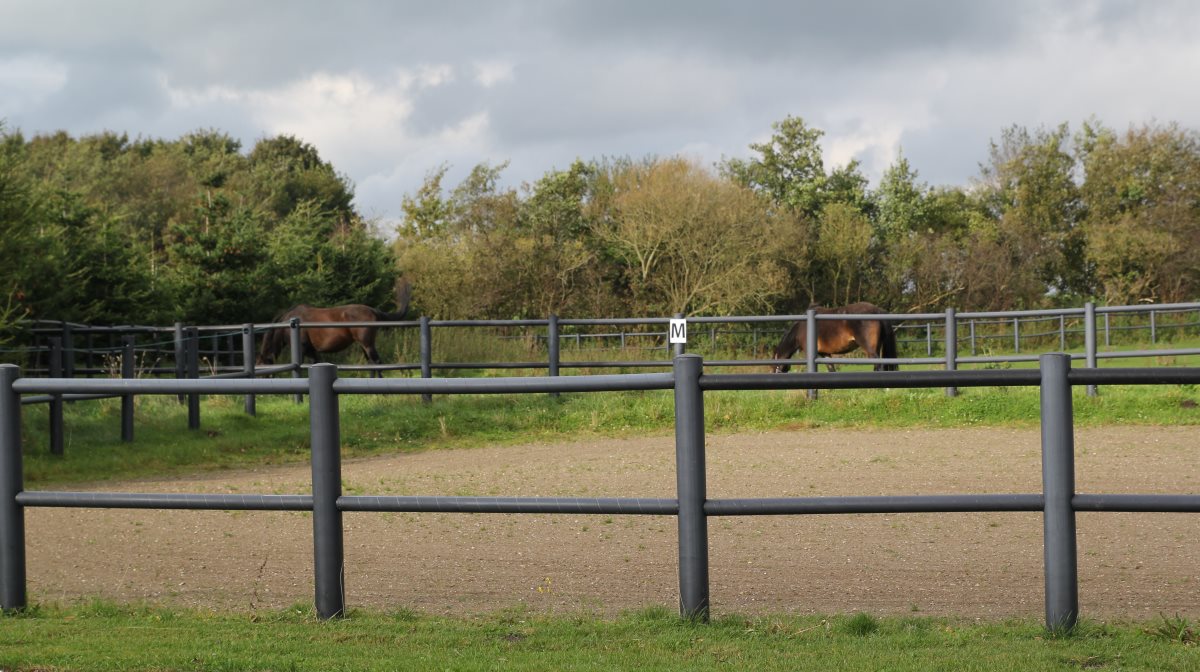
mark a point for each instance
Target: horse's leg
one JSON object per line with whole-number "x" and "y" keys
{"x": 366, "y": 340}
{"x": 373, "y": 357}
{"x": 870, "y": 344}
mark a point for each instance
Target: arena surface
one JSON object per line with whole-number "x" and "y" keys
{"x": 1135, "y": 566}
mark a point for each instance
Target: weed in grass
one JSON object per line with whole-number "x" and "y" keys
{"x": 1174, "y": 629}
{"x": 860, "y": 625}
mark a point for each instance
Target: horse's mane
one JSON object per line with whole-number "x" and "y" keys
{"x": 282, "y": 314}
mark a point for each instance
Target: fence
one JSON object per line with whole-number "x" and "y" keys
{"x": 224, "y": 349}
{"x": 1058, "y": 500}
{"x": 187, "y": 348}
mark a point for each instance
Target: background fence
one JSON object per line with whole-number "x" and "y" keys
{"x": 1057, "y": 502}
{"x": 924, "y": 339}
{"x": 228, "y": 351}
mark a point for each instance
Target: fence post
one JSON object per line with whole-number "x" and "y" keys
{"x": 328, "y": 552}
{"x": 180, "y": 357}
{"x": 128, "y": 371}
{"x": 68, "y": 351}
{"x": 928, "y": 339}
{"x": 12, "y": 515}
{"x": 56, "y": 400}
{"x": 1089, "y": 338}
{"x": 248, "y": 364}
{"x": 690, "y": 481}
{"x": 297, "y": 353}
{"x": 426, "y": 354}
{"x": 192, "y": 339}
{"x": 1153, "y": 329}
{"x": 1058, "y": 486}
{"x": 810, "y": 346}
{"x": 552, "y": 346}
{"x": 951, "y": 348}
{"x": 679, "y": 347}
{"x": 972, "y": 338}
{"x": 1062, "y": 333}
{"x": 1016, "y": 334}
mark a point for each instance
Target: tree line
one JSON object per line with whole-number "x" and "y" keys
{"x": 105, "y": 229}
{"x": 1054, "y": 218}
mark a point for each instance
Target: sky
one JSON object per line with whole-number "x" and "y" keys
{"x": 389, "y": 91}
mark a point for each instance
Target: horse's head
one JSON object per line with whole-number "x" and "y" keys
{"x": 271, "y": 346}
{"x": 780, "y": 367}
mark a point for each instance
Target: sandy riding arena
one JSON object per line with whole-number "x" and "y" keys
{"x": 974, "y": 565}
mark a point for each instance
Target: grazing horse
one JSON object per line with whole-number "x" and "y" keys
{"x": 836, "y": 337}
{"x": 314, "y": 340}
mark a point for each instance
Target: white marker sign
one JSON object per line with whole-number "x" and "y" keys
{"x": 678, "y": 331}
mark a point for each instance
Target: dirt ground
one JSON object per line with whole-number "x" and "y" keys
{"x": 972, "y": 565}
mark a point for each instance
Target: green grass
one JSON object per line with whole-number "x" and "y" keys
{"x": 103, "y": 636}
{"x": 371, "y": 425}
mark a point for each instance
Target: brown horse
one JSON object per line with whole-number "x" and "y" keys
{"x": 836, "y": 337}
{"x": 314, "y": 340}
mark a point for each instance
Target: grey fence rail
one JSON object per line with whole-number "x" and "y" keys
{"x": 187, "y": 346}
{"x": 1058, "y": 502}
{"x": 1000, "y": 334}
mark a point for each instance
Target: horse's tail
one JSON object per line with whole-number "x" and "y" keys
{"x": 888, "y": 336}
{"x": 403, "y": 297}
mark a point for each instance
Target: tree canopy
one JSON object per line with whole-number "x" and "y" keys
{"x": 108, "y": 229}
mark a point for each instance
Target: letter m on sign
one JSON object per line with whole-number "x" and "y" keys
{"x": 678, "y": 331}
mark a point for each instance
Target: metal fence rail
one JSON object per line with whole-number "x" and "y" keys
{"x": 1058, "y": 500}
{"x": 72, "y": 347}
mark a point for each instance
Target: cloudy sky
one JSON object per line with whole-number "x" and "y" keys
{"x": 387, "y": 91}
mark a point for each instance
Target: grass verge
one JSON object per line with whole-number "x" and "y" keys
{"x": 103, "y": 636}
{"x": 228, "y": 438}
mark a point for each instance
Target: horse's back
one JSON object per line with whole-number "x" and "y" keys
{"x": 354, "y": 312}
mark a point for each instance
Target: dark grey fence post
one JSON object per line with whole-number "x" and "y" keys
{"x": 180, "y": 357}
{"x": 690, "y": 478}
{"x": 128, "y": 371}
{"x": 973, "y": 338}
{"x": 928, "y": 339}
{"x": 1089, "y": 338}
{"x": 1058, "y": 484}
{"x": 951, "y": 348}
{"x": 426, "y": 354}
{"x": 297, "y": 352}
{"x": 12, "y": 515}
{"x": 248, "y": 364}
{"x": 1016, "y": 334}
{"x": 192, "y": 340}
{"x": 68, "y": 352}
{"x": 328, "y": 553}
{"x": 1153, "y": 329}
{"x": 56, "y": 400}
{"x": 810, "y": 346}
{"x": 552, "y": 347}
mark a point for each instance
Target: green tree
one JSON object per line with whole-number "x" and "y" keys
{"x": 1030, "y": 192}
{"x": 788, "y": 168}
{"x": 1142, "y": 224}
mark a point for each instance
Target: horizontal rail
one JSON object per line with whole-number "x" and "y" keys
{"x": 1137, "y": 503}
{"x": 883, "y": 504}
{"x": 571, "y": 505}
{"x": 129, "y": 500}
{"x": 979, "y": 503}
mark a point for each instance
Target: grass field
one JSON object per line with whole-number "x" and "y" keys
{"x": 228, "y": 438}
{"x": 103, "y": 636}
